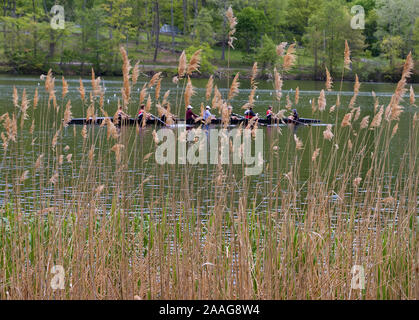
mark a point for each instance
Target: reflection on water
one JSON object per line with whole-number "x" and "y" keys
{"x": 177, "y": 179}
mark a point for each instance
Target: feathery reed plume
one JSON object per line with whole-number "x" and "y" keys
{"x": 234, "y": 89}
{"x": 155, "y": 137}
{"x": 54, "y": 178}
{"x": 328, "y": 134}
{"x": 298, "y": 143}
{"x": 194, "y": 62}
{"x": 143, "y": 93}
{"x": 251, "y": 100}
{"x": 297, "y": 95}
{"x": 322, "y": 101}
{"x": 65, "y": 87}
{"x": 357, "y": 112}
{"x": 329, "y": 80}
{"x": 289, "y": 58}
{"x": 165, "y": 98}
{"x": 39, "y": 162}
{"x": 289, "y": 103}
{"x": 337, "y": 101}
{"x": 254, "y": 74}
{"x": 84, "y": 132}
{"x": 280, "y": 48}
{"x": 350, "y": 145}
{"x": 364, "y": 122}
{"x": 67, "y": 114}
{"x": 182, "y": 65}
{"x": 315, "y": 154}
{"x": 232, "y": 20}
{"x": 148, "y": 104}
{"x": 347, "y": 56}
{"x": 357, "y": 85}
{"x": 49, "y": 82}
{"x": 209, "y": 88}
{"x": 313, "y": 105}
{"x": 189, "y": 92}
{"x": 278, "y": 85}
{"x": 112, "y": 131}
{"x": 346, "y": 121}
{"x": 158, "y": 87}
{"x": 412, "y": 96}
{"x": 35, "y": 98}
{"x": 135, "y": 73}
{"x": 395, "y": 128}
{"x": 332, "y": 108}
{"x": 126, "y": 67}
{"x": 55, "y": 139}
{"x": 216, "y": 100}
{"x": 81, "y": 90}
{"x": 357, "y": 181}
{"x": 154, "y": 79}
{"x": 15, "y": 97}
{"x": 117, "y": 148}
{"x": 24, "y": 107}
{"x": 376, "y": 121}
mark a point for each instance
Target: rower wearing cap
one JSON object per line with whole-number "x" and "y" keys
{"x": 207, "y": 114}
{"x": 269, "y": 114}
{"x": 190, "y": 116}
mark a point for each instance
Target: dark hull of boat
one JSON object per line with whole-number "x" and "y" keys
{"x": 134, "y": 121}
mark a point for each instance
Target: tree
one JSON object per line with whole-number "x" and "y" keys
{"x": 333, "y": 29}
{"x": 416, "y": 38}
{"x": 203, "y": 27}
{"x": 251, "y": 25}
{"x": 397, "y": 18}
{"x": 266, "y": 53}
{"x": 391, "y": 47}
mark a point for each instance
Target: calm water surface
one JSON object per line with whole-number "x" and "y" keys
{"x": 141, "y": 143}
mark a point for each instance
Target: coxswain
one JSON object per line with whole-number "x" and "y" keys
{"x": 295, "y": 116}
{"x": 190, "y": 116}
{"x": 269, "y": 114}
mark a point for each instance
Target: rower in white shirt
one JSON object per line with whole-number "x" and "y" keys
{"x": 207, "y": 115}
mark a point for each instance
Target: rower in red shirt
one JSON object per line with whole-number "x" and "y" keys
{"x": 269, "y": 114}
{"x": 249, "y": 114}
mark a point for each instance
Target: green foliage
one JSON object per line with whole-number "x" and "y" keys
{"x": 416, "y": 37}
{"x": 203, "y": 27}
{"x": 251, "y": 25}
{"x": 391, "y": 47}
{"x": 266, "y": 54}
{"x": 207, "y": 54}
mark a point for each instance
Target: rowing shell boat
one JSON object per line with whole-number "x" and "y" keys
{"x": 155, "y": 121}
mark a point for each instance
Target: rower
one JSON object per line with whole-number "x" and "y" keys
{"x": 121, "y": 115}
{"x": 249, "y": 114}
{"x": 208, "y": 115}
{"x": 190, "y": 116}
{"x": 163, "y": 117}
{"x": 233, "y": 116}
{"x": 269, "y": 114}
{"x": 141, "y": 113}
{"x": 295, "y": 116}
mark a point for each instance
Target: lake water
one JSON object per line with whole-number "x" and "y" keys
{"x": 179, "y": 181}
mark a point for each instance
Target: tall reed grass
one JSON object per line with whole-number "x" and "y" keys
{"x": 90, "y": 213}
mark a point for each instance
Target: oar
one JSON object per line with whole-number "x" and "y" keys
{"x": 158, "y": 119}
